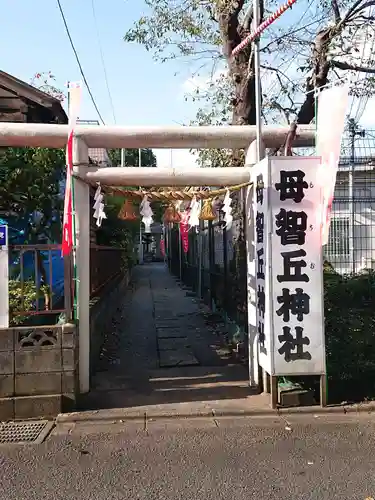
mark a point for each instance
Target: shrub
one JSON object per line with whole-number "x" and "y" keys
{"x": 22, "y": 298}
{"x": 350, "y": 334}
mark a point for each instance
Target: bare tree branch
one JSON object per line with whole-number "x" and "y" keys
{"x": 246, "y": 23}
{"x": 336, "y": 10}
{"x": 361, "y": 8}
{"x": 351, "y": 67}
{"x": 356, "y": 8}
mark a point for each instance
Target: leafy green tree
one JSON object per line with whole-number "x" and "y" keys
{"x": 324, "y": 41}
{"x": 148, "y": 159}
{"x": 45, "y": 81}
{"x": 30, "y": 184}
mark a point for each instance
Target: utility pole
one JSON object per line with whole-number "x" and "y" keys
{"x": 354, "y": 132}
{"x": 258, "y": 88}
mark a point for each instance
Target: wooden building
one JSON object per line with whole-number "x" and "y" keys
{"x": 21, "y": 102}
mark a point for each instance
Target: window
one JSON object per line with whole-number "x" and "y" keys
{"x": 338, "y": 238}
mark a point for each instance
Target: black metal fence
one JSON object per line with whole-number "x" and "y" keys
{"x": 211, "y": 267}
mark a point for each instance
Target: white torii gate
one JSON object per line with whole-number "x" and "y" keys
{"x": 55, "y": 136}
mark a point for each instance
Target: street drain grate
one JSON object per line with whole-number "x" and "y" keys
{"x": 24, "y": 432}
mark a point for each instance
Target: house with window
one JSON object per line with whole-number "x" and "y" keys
{"x": 351, "y": 242}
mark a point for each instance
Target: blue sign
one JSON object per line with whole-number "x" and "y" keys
{"x": 3, "y": 236}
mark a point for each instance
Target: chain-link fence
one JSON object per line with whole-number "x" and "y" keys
{"x": 351, "y": 243}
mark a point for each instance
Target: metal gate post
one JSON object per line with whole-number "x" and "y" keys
{"x": 225, "y": 263}
{"x": 211, "y": 260}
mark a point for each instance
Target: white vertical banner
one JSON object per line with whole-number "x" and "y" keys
{"x": 261, "y": 266}
{"x": 332, "y": 106}
{"x": 297, "y": 270}
{"x": 4, "y": 278}
{"x": 75, "y": 98}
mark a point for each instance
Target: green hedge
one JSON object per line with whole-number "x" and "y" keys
{"x": 350, "y": 335}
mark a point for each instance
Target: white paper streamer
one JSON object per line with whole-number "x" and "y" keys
{"x": 98, "y": 207}
{"x": 227, "y": 209}
{"x": 195, "y": 210}
{"x": 147, "y": 213}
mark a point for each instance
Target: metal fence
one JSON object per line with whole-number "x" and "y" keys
{"x": 41, "y": 281}
{"x": 211, "y": 266}
{"x": 351, "y": 242}
{"x": 106, "y": 263}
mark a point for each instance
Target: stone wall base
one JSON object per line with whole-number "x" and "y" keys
{"x": 38, "y": 371}
{"x": 45, "y": 406}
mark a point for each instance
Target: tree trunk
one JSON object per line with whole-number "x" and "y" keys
{"x": 319, "y": 77}
{"x": 244, "y": 89}
{"x": 240, "y": 71}
{"x": 243, "y": 102}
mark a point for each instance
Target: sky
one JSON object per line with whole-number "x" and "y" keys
{"x": 144, "y": 92}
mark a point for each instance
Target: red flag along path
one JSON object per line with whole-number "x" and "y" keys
{"x": 74, "y": 92}
{"x": 162, "y": 247}
{"x": 184, "y": 228}
{"x": 67, "y": 242}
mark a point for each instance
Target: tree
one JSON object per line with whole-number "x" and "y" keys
{"x": 45, "y": 81}
{"x": 320, "y": 42}
{"x": 30, "y": 180}
{"x": 30, "y": 190}
{"x": 148, "y": 159}
{"x": 197, "y": 28}
{"x": 327, "y": 41}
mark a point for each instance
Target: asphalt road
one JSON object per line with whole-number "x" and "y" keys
{"x": 325, "y": 457}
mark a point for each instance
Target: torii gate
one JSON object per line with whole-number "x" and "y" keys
{"x": 183, "y": 137}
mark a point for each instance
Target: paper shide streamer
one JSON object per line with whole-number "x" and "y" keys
{"x": 195, "y": 210}
{"x": 98, "y": 207}
{"x": 227, "y": 209}
{"x": 146, "y": 211}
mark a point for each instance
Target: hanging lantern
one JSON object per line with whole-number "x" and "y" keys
{"x": 127, "y": 211}
{"x": 207, "y": 213}
{"x": 171, "y": 215}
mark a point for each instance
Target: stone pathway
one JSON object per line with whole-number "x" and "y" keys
{"x": 162, "y": 351}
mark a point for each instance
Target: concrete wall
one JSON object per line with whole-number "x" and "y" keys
{"x": 102, "y": 310}
{"x": 38, "y": 371}
{"x": 39, "y": 368}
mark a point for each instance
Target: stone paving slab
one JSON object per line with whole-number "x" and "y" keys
{"x": 171, "y": 334}
{"x": 156, "y": 323}
{"x": 173, "y": 343}
{"x": 177, "y": 327}
{"x": 180, "y": 357}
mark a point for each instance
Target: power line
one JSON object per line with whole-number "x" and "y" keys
{"x": 102, "y": 58}
{"x": 78, "y": 61}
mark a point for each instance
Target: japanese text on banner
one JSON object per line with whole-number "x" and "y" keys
{"x": 262, "y": 255}
{"x": 297, "y": 268}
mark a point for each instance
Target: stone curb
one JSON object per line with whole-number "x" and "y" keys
{"x": 149, "y": 414}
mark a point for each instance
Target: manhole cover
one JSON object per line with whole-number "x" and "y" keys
{"x": 24, "y": 432}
